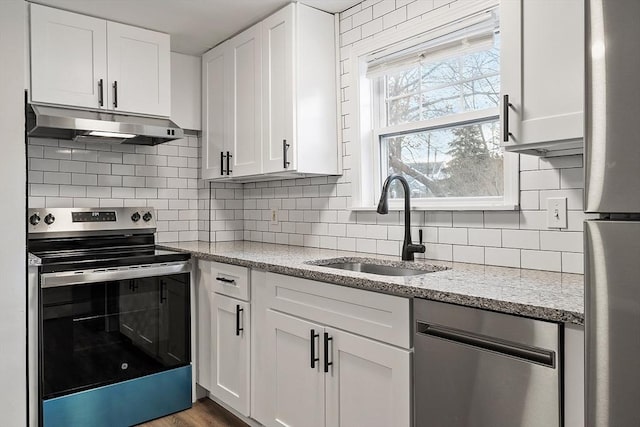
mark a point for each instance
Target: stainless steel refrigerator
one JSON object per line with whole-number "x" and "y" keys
{"x": 612, "y": 189}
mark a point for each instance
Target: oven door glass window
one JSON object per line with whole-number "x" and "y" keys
{"x": 101, "y": 333}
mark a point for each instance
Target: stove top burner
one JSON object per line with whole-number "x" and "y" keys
{"x": 90, "y": 238}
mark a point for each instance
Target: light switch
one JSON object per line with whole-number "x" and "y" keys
{"x": 274, "y": 217}
{"x": 557, "y": 212}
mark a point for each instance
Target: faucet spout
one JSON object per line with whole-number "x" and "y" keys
{"x": 408, "y": 248}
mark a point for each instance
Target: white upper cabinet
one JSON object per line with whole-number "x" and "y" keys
{"x": 281, "y": 111}
{"x": 299, "y": 93}
{"x": 68, "y": 58}
{"x": 80, "y": 61}
{"x": 139, "y": 68}
{"x": 215, "y": 115}
{"x": 245, "y": 62}
{"x": 542, "y": 76}
{"x": 278, "y": 100}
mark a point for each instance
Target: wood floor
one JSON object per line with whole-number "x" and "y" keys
{"x": 204, "y": 412}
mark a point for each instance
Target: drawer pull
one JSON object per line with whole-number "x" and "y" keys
{"x": 226, "y": 281}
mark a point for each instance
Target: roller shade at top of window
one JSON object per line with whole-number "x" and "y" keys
{"x": 465, "y": 37}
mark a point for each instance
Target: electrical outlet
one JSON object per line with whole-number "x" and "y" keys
{"x": 557, "y": 212}
{"x": 274, "y": 216}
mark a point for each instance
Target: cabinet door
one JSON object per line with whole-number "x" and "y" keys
{"x": 297, "y": 389}
{"x": 278, "y": 97}
{"x": 246, "y": 69}
{"x": 68, "y": 58}
{"x": 230, "y": 339}
{"x": 543, "y": 71}
{"x": 368, "y": 383}
{"x": 216, "y": 111}
{"x": 139, "y": 70}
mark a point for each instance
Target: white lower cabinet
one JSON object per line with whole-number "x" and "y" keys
{"x": 368, "y": 383}
{"x": 230, "y": 348}
{"x": 297, "y": 395}
{"x": 315, "y": 375}
{"x": 224, "y": 334}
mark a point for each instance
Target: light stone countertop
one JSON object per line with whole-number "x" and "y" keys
{"x": 557, "y": 297}
{"x": 33, "y": 260}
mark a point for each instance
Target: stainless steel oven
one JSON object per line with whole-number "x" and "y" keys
{"x": 114, "y": 319}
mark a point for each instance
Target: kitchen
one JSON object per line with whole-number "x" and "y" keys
{"x": 285, "y": 126}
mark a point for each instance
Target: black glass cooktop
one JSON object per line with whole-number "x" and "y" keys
{"x": 103, "y": 252}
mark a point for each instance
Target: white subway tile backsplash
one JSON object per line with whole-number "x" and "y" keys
{"x": 471, "y": 254}
{"x": 394, "y": 18}
{"x": 523, "y": 239}
{"x": 502, "y": 257}
{"x": 495, "y": 219}
{"x": 540, "y": 180}
{"x": 485, "y": 237}
{"x": 569, "y": 241}
{"x": 541, "y": 260}
{"x": 572, "y": 262}
{"x": 452, "y": 235}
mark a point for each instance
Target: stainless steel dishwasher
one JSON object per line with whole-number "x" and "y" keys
{"x": 478, "y": 368}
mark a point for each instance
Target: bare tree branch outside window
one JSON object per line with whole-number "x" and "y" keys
{"x": 456, "y": 160}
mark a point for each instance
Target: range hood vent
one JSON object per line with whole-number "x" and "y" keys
{"x": 66, "y": 123}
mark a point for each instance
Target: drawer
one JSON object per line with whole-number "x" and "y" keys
{"x": 230, "y": 280}
{"x": 378, "y": 316}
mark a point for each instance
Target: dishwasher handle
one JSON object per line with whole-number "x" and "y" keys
{"x": 483, "y": 342}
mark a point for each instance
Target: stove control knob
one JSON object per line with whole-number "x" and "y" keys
{"x": 49, "y": 219}
{"x": 34, "y": 219}
{"x": 135, "y": 217}
{"x": 147, "y": 217}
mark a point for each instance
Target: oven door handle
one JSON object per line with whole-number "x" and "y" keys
{"x": 70, "y": 278}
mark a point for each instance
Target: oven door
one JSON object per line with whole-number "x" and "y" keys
{"x": 105, "y": 326}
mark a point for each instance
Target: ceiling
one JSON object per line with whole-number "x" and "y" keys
{"x": 195, "y": 25}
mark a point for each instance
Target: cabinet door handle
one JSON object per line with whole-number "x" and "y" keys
{"x": 327, "y": 338}
{"x": 228, "y": 158}
{"x": 100, "y": 92}
{"x": 285, "y": 148}
{"x": 221, "y": 163}
{"x": 225, "y": 280}
{"x": 314, "y": 359}
{"x": 238, "y": 311}
{"x": 505, "y": 118}
{"x": 115, "y": 94}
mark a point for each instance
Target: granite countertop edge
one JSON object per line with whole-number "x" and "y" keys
{"x": 509, "y": 307}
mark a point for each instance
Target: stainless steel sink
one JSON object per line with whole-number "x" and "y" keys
{"x": 380, "y": 267}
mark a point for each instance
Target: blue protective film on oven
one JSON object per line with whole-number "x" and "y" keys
{"x": 122, "y": 404}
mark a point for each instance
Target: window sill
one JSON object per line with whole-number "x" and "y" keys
{"x": 444, "y": 207}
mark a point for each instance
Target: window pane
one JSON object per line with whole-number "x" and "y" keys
{"x": 403, "y": 110}
{"x": 463, "y": 161}
{"x": 466, "y": 82}
{"x": 403, "y": 83}
{"x": 441, "y": 102}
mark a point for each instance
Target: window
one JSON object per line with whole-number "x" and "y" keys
{"x": 434, "y": 118}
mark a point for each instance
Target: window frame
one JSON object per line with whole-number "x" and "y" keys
{"x": 369, "y": 112}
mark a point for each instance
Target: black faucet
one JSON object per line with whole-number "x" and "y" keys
{"x": 408, "y": 248}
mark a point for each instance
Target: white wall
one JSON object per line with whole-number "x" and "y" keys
{"x": 12, "y": 217}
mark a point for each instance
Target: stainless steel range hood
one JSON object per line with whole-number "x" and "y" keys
{"x": 65, "y": 123}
